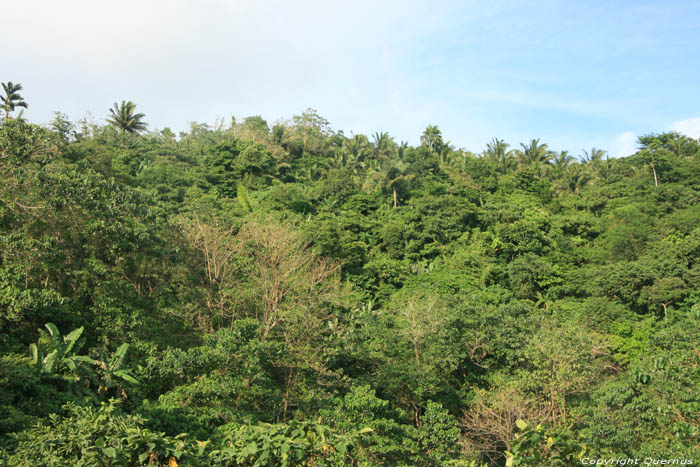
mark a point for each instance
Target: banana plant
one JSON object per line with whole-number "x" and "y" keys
{"x": 113, "y": 371}
{"x": 56, "y": 356}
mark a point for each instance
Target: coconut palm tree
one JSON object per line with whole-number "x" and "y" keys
{"x": 124, "y": 118}
{"x": 432, "y": 138}
{"x": 447, "y": 155}
{"x": 384, "y": 145}
{"x": 593, "y": 157}
{"x": 534, "y": 154}
{"x": 12, "y": 99}
{"x": 560, "y": 162}
{"x": 680, "y": 145}
{"x": 389, "y": 176}
{"x": 574, "y": 179}
{"x": 497, "y": 151}
{"x": 358, "y": 147}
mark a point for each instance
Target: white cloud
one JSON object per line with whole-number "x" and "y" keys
{"x": 624, "y": 144}
{"x": 689, "y": 127}
{"x": 183, "y": 60}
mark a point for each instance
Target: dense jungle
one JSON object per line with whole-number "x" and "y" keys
{"x": 247, "y": 293}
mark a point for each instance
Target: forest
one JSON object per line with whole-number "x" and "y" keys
{"x": 247, "y": 293}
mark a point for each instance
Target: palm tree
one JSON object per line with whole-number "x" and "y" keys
{"x": 432, "y": 138}
{"x": 497, "y": 151}
{"x": 389, "y": 177}
{"x": 279, "y": 134}
{"x": 384, "y": 145}
{"x": 534, "y": 154}
{"x": 358, "y": 147}
{"x": 562, "y": 159}
{"x": 403, "y": 146}
{"x": 12, "y": 99}
{"x": 560, "y": 162}
{"x": 124, "y": 118}
{"x": 680, "y": 145}
{"x": 593, "y": 157}
{"x": 446, "y": 156}
{"x": 574, "y": 180}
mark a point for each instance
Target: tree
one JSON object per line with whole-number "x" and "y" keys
{"x": 309, "y": 132}
{"x": 664, "y": 292}
{"x": 216, "y": 248}
{"x": 253, "y": 128}
{"x": 432, "y": 138}
{"x": 124, "y": 118}
{"x": 292, "y": 292}
{"x": 288, "y": 280}
{"x": 384, "y": 145}
{"x": 390, "y": 176}
{"x": 679, "y": 145}
{"x": 418, "y": 316}
{"x": 593, "y": 157}
{"x": 573, "y": 179}
{"x": 63, "y": 126}
{"x": 534, "y": 154}
{"x": 358, "y": 147}
{"x": 562, "y": 159}
{"x": 682, "y": 146}
{"x": 12, "y": 99}
{"x": 497, "y": 151}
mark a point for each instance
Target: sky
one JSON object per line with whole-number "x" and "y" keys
{"x": 575, "y": 74}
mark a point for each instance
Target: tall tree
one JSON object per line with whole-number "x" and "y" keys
{"x": 124, "y": 118}
{"x": 573, "y": 179}
{"x": 358, "y": 147}
{"x": 12, "y": 99}
{"x": 384, "y": 145}
{"x": 390, "y": 176}
{"x": 678, "y": 144}
{"x": 594, "y": 156}
{"x": 432, "y": 138}
{"x": 497, "y": 151}
{"x": 534, "y": 154}
{"x": 560, "y": 162}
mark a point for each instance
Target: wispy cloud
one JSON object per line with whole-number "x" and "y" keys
{"x": 515, "y": 69}
{"x": 689, "y": 127}
{"x": 623, "y": 144}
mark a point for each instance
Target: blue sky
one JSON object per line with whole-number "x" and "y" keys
{"x": 574, "y": 74}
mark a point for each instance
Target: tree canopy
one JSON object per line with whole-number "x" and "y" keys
{"x": 12, "y": 98}
{"x": 123, "y": 117}
{"x": 266, "y": 295}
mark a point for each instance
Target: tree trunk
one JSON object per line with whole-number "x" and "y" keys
{"x": 395, "y": 197}
{"x": 656, "y": 180}
{"x": 286, "y": 395}
{"x": 415, "y": 351}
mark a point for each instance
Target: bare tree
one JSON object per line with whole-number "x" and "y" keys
{"x": 217, "y": 246}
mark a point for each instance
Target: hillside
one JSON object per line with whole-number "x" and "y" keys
{"x": 254, "y": 294}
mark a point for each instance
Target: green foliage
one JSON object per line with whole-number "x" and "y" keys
{"x": 389, "y": 439}
{"x": 536, "y": 446}
{"x": 95, "y": 437}
{"x": 54, "y": 353}
{"x": 438, "y": 434}
{"x": 23, "y": 397}
{"x": 303, "y": 443}
{"x": 244, "y": 198}
{"x": 12, "y": 99}
{"x": 123, "y": 117}
{"x": 293, "y": 296}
